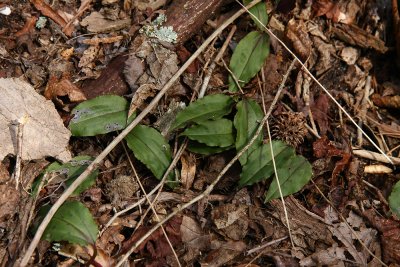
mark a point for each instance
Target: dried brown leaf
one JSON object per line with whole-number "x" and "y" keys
{"x": 134, "y": 68}
{"x": 97, "y": 23}
{"x": 188, "y": 172}
{"x": 88, "y": 56}
{"x": 47, "y": 11}
{"x": 328, "y": 8}
{"x": 63, "y": 87}
{"x": 142, "y": 93}
{"x": 324, "y": 148}
{"x": 44, "y": 133}
{"x": 320, "y": 109}
{"x": 156, "y": 245}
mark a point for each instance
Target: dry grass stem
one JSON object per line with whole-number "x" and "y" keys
{"x": 214, "y": 63}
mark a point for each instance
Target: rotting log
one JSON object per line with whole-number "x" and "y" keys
{"x": 186, "y": 17}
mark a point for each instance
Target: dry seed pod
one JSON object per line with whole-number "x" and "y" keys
{"x": 289, "y": 127}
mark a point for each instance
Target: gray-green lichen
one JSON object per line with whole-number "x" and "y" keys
{"x": 155, "y": 30}
{"x": 41, "y": 22}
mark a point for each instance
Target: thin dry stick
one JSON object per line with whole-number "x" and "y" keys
{"x": 235, "y": 79}
{"x": 151, "y": 205}
{"x": 318, "y": 83}
{"x": 262, "y": 246}
{"x": 274, "y": 164}
{"x": 375, "y": 156}
{"x": 218, "y": 178}
{"x": 363, "y": 111}
{"x": 121, "y": 136}
{"x": 277, "y": 180}
{"x": 214, "y": 63}
{"x": 170, "y": 168}
{"x": 180, "y": 152}
{"x": 20, "y": 130}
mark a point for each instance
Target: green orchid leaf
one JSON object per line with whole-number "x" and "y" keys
{"x": 294, "y": 172}
{"x": 99, "y": 115}
{"x": 203, "y": 149}
{"x": 394, "y": 199}
{"x": 72, "y": 222}
{"x": 212, "y": 133}
{"x": 151, "y": 148}
{"x": 248, "y": 58}
{"x": 67, "y": 173}
{"x": 260, "y": 12}
{"x": 259, "y": 163}
{"x": 247, "y": 120}
{"x": 210, "y": 107}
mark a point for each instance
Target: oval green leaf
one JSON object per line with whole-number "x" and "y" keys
{"x": 259, "y": 163}
{"x": 203, "y": 149}
{"x": 246, "y": 121}
{"x": 293, "y": 172}
{"x": 394, "y": 199}
{"x": 248, "y": 58}
{"x": 212, "y": 133}
{"x": 150, "y": 147}
{"x": 99, "y": 115}
{"x": 72, "y": 222}
{"x": 68, "y": 172}
{"x": 209, "y": 107}
{"x": 260, "y": 12}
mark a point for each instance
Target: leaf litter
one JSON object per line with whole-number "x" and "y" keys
{"x": 344, "y": 215}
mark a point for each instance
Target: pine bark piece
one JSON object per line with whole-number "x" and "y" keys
{"x": 186, "y": 17}
{"x": 354, "y": 35}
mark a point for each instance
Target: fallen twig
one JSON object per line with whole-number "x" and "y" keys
{"x": 214, "y": 63}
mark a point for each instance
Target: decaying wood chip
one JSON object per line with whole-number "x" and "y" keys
{"x": 105, "y": 40}
{"x": 354, "y": 35}
{"x": 297, "y": 34}
{"x": 386, "y": 101}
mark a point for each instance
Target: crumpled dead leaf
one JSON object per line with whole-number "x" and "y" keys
{"x": 324, "y": 148}
{"x": 319, "y": 111}
{"x": 63, "y": 87}
{"x": 188, "y": 172}
{"x": 97, "y": 23}
{"x": 328, "y": 8}
{"x": 44, "y": 133}
{"x": 145, "y": 4}
{"x": 156, "y": 245}
{"x": 390, "y": 235}
{"x": 161, "y": 66}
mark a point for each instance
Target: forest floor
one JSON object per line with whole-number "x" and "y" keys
{"x": 321, "y": 76}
